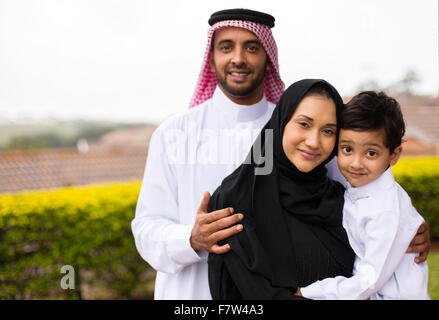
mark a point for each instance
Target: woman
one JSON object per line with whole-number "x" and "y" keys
{"x": 293, "y": 232}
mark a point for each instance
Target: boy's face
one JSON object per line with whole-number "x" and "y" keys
{"x": 363, "y": 156}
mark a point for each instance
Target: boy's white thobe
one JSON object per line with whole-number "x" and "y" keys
{"x": 380, "y": 222}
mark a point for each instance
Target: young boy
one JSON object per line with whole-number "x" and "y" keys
{"x": 378, "y": 215}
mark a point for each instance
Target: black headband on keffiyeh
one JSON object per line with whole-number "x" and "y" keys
{"x": 264, "y": 245}
{"x": 242, "y": 14}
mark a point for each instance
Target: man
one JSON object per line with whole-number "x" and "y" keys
{"x": 190, "y": 153}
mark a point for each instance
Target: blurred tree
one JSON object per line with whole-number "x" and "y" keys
{"x": 56, "y": 135}
{"x": 406, "y": 85}
{"x": 38, "y": 141}
{"x": 368, "y": 85}
{"x": 409, "y": 80}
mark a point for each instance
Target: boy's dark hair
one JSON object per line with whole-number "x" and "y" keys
{"x": 369, "y": 111}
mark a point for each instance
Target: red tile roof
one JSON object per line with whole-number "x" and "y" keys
{"x": 53, "y": 168}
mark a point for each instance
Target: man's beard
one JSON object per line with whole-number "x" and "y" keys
{"x": 240, "y": 92}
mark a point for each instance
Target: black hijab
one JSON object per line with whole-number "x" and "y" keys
{"x": 265, "y": 245}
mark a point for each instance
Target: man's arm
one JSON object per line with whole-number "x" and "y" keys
{"x": 160, "y": 237}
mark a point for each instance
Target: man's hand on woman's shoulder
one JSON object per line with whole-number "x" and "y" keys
{"x": 212, "y": 227}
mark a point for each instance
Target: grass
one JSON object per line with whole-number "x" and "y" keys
{"x": 433, "y": 276}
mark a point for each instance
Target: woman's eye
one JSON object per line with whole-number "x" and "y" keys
{"x": 303, "y": 124}
{"x": 328, "y": 132}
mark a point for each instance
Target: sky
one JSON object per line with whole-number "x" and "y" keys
{"x": 138, "y": 60}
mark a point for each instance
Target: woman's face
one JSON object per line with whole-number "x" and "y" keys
{"x": 310, "y": 135}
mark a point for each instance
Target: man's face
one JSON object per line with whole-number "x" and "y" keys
{"x": 240, "y": 62}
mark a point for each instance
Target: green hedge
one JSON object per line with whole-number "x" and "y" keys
{"x": 89, "y": 228}
{"x": 420, "y": 178}
{"x": 424, "y": 191}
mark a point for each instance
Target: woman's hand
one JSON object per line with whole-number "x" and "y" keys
{"x": 298, "y": 293}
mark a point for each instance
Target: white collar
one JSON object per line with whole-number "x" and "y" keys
{"x": 383, "y": 182}
{"x": 237, "y": 112}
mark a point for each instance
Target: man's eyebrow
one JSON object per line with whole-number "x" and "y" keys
{"x": 255, "y": 41}
{"x": 224, "y": 41}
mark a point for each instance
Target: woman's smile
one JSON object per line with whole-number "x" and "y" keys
{"x": 309, "y": 155}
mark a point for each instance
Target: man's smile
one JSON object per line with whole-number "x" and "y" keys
{"x": 238, "y": 76}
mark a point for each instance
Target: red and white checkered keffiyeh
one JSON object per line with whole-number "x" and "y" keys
{"x": 207, "y": 81}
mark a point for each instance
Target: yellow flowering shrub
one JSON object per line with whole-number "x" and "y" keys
{"x": 419, "y": 176}
{"x": 415, "y": 166}
{"x": 85, "y": 227}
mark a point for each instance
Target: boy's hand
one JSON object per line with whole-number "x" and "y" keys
{"x": 421, "y": 243}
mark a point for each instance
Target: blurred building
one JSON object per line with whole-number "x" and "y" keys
{"x": 117, "y": 156}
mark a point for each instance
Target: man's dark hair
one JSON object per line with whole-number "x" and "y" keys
{"x": 370, "y": 111}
